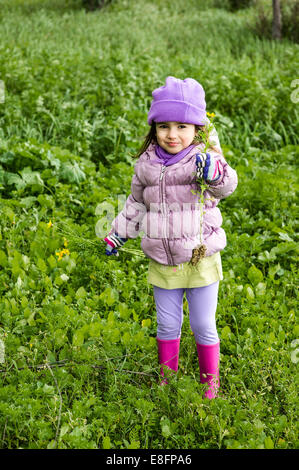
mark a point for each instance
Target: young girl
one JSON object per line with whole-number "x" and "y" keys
{"x": 182, "y": 233}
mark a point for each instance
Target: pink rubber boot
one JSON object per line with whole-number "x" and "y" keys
{"x": 208, "y": 359}
{"x": 168, "y": 352}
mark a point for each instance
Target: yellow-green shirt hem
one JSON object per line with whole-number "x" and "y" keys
{"x": 206, "y": 272}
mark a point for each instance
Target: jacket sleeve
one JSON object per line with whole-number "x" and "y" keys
{"x": 127, "y": 224}
{"x": 228, "y": 181}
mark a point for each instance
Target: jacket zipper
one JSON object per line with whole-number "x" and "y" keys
{"x": 162, "y": 172}
{"x": 164, "y": 240}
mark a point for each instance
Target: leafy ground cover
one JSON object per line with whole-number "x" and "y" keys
{"x": 79, "y": 362}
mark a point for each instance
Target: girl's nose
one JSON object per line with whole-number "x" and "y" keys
{"x": 172, "y": 133}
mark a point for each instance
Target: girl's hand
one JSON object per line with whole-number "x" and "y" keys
{"x": 111, "y": 251}
{"x": 113, "y": 241}
{"x": 208, "y": 168}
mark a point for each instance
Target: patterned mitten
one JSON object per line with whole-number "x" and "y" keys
{"x": 113, "y": 241}
{"x": 208, "y": 167}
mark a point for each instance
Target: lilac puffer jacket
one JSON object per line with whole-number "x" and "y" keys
{"x": 164, "y": 205}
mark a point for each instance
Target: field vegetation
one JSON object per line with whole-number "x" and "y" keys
{"x": 77, "y": 330}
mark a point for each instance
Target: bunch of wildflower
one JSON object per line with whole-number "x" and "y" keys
{"x": 86, "y": 246}
{"x": 202, "y": 137}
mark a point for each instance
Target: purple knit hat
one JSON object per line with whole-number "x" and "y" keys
{"x": 179, "y": 101}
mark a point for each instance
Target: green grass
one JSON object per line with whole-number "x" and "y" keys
{"x": 77, "y": 91}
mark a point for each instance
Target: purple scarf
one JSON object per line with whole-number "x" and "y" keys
{"x": 169, "y": 158}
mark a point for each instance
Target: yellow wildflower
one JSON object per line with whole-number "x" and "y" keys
{"x": 49, "y": 225}
{"x": 211, "y": 115}
{"x": 60, "y": 253}
{"x": 65, "y": 242}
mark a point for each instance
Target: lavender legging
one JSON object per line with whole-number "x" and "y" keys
{"x": 202, "y": 302}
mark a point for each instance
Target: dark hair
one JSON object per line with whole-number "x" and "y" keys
{"x": 151, "y": 138}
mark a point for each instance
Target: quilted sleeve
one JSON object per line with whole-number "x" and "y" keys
{"x": 128, "y": 222}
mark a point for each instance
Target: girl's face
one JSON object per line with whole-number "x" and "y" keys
{"x": 174, "y": 136}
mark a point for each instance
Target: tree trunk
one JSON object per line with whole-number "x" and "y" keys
{"x": 276, "y": 25}
{"x": 93, "y": 5}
